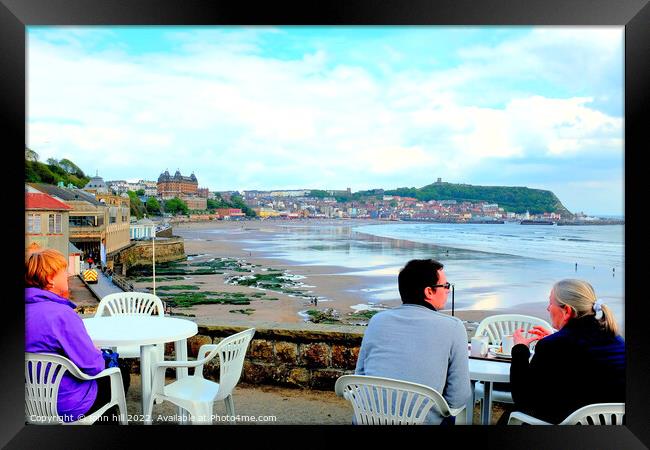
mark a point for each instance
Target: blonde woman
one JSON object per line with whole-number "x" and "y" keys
{"x": 582, "y": 363}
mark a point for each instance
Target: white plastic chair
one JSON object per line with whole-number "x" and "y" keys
{"x": 386, "y": 401}
{"x": 43, "y": 375}
{"x": 595, "y": 414}
{"x": 194, "y": 393}
{"x": 132, "y": 304}
{"x": 495, "y": 327}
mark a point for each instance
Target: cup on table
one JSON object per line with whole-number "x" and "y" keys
{"x": 479, "y": 346}
{"x": 507, "y": 342}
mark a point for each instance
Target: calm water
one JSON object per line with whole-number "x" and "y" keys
{"x": 508, "y": 267}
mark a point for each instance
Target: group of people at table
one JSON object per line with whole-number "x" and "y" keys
{"x": 580, "y": 364}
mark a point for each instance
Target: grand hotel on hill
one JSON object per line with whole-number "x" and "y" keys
{"x": 176, "y": 186}
{"x": 185, "y": 188}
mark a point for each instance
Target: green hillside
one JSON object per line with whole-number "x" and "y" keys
{"x": 53, "y": 171}
{"x": 511, "y": 199}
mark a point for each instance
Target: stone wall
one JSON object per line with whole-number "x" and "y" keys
{"x": 298, "y": 355}
{"x": 301, "y": 355}
{"x": 172, "y": 249}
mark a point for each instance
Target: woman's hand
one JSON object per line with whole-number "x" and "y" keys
{"x": 539, "y": 331}
{"x": 537, "y": 334}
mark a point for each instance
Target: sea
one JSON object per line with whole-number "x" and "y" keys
{"x": 509, "y": 268}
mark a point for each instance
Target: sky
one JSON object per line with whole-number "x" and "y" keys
{"x": 308, "y": 107}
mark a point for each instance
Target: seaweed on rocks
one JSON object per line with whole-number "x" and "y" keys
{"x": 247, "y": 311}
{"x": 327, "y": 316}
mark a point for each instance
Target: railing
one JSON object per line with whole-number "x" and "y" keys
{"x": 122, "y": 283}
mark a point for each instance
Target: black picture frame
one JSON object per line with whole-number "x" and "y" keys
{"x": 15, "y": 15}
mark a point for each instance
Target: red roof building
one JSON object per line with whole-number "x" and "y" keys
{"x": 46, "y": 222}
{"x": 44, "y": 202}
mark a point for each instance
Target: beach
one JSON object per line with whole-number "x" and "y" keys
{"x": 335, "y": 286}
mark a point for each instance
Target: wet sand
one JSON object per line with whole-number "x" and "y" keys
{"x": 333, "y": 285}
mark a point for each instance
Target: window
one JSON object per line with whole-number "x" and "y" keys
{"x": 82, "y": 221}
{"x": 54, "y": 223}
{"x": 33, "y": 223}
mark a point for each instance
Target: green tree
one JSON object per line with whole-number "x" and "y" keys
{"x": 153, "y": 207}
{"x": 53, "y": 172}
{"x": 176, "y": 206}
{"x": 318, "y": 193}
{"x": 237, "y": 202}
{"x": 137, "y": 208}
{"x": 71, "y": 168}
{"x": 217, "y": 203}
{"x": 139, "y": 192}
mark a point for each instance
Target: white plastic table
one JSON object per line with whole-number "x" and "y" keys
{"x": 145, "y": 331}
{"x": 489, "y": 372}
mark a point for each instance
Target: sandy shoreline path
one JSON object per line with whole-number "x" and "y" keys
{"x": 334, "y": 286}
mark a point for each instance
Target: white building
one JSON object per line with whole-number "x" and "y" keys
{"x": 142, "y": 229}
{"x": 118, "y": 186}
{"x": 150, "y": 187}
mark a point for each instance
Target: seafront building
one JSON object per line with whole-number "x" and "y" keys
{"x": 87, "y": 225}
{"x": 98, "y": 222}
{"x": 46, "y": 222}
{"x": 142, "y": 229}
{"x": 118, "y": 218}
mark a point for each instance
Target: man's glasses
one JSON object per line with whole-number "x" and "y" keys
{"x": 447, "y": 285}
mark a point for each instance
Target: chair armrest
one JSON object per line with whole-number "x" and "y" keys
{"x": 519, "y": 418}
{"x": 104, "y": 373}
{"x": 205, "y": 349}
{"x": 175, "y": 364}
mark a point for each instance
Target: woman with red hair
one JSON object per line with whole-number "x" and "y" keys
{"x": 53, "y": 326}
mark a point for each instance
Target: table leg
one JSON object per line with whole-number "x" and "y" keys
{"x": 180, "y": 348}
{"x": 469, "y": 409}
{"x": 181, "y": 355}
{"x": 486, "y": 407}
{"x": 145, "y": 373}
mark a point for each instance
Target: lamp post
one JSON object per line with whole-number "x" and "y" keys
{"x": 153, "y": 257}
{"x": 452, "y": 299}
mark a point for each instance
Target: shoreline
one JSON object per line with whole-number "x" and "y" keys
{"x": 336, "y": 286}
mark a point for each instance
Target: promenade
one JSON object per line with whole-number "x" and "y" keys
{"x": 104, "y": 285}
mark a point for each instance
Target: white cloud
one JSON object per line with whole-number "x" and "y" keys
{"x": 240, "y": 120}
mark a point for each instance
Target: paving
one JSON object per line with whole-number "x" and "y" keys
{"x": 269, "y": 405}
{"x": 104, "y": 285}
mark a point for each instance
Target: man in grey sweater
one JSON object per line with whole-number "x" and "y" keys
{"x": 415, "y": 342}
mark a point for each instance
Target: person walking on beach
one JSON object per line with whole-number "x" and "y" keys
{"x": 416, "y": 343}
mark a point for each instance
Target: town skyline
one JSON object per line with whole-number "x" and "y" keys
{"x": 255, "y": 108}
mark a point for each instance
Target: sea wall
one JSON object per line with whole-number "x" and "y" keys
{"x": 303, "y": 355}
{"x": 298, "y": 355}
{"x": 140, "y": 254}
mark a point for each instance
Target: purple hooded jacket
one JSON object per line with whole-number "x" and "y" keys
{"x": 53, "y": 326}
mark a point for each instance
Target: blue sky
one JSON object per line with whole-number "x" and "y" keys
{"x": 336, "y": 107}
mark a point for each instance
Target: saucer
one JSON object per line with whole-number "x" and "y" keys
{"x": 498, "y": 353}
